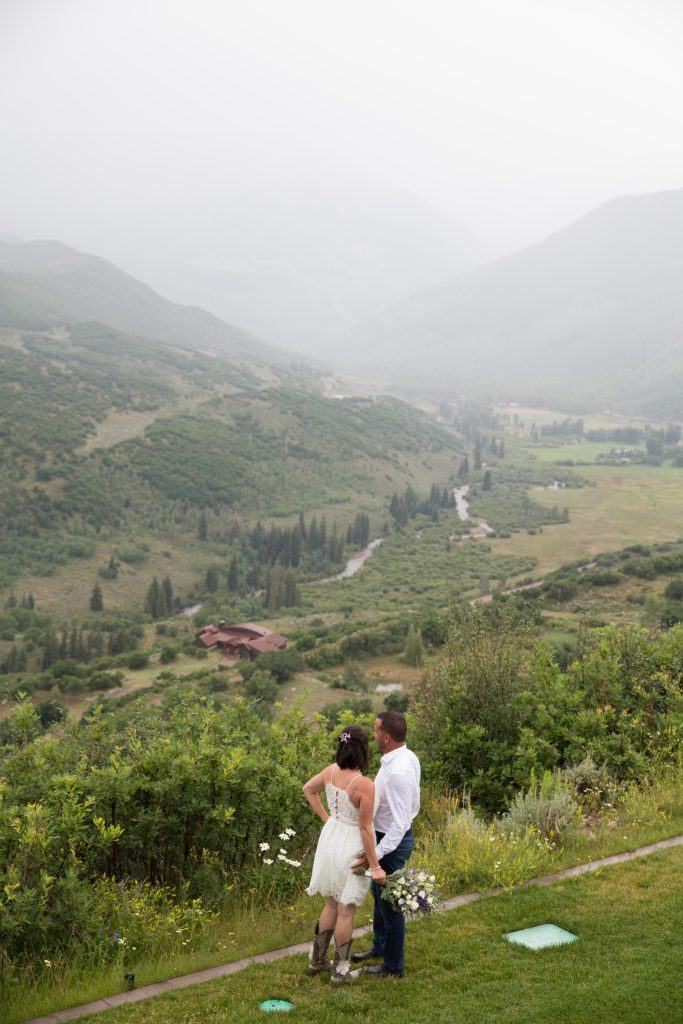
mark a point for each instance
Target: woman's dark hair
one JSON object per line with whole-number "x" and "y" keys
{"x": 352, "y": 748}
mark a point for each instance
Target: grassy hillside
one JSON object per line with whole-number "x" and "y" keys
{"x": 135, "y": 441}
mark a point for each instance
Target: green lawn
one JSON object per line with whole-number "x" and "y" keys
{"x": 460, "y": 968}
{"x": 578, "y": 451}
{"x": 626, "y": 505}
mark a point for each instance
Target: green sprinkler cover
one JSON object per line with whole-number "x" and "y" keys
{"x": 540, "y": 937}
{"x": 275, "y": 1006}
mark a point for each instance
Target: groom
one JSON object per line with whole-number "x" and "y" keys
{"x": 397, "y": 787}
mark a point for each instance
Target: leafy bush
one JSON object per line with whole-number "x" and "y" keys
{"x": 262, "y": 686}
{"x": 470, "y": 853}
{"x": 499, "y": 707}
{"x": 547, "y": 809}
{"x": 281, "y": 664}
{"x": 138, "y": 659}
{"x": 146, "y": 801}
{"x": 132, "y": 554}
{"x": 589, "y": 784}
{"x": 674, "y": 590}
{"x": 354, "y": 677}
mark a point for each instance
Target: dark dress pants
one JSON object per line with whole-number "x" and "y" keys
{"x": 389, "y": 925}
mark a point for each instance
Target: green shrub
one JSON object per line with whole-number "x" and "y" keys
{"x": 138, "y": 659}
{"x": 589, "y": 784}
{"x": 547, "y": 809}
{"x": 132, "y": 554}
{"x": 469, "y": 853}
{"x": 262, "y": 686}
{"x": 281, "y": 664}
{"x": 674, "y": 590}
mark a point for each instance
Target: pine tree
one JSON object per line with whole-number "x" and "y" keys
{"x": 153, "y": 599}
{"x": 167, "y": 591}
{"x": 202, "y": 530}
{"x": 291, "y": 589}
{"x": 50, "y": 650}
{"x": 313, "y": 535}
{"x": 477, "y": 456}
{"x": 487, "y": 480}
{"x": 96, "y": 602}
{"x": 11, "y": 661}
{"x": 73, "y": 643}
{"x": 211, "y": 579}
{"x": 233, "y": 574}
{"x": 275, "y": 588}
{"x": 413, "y": 652}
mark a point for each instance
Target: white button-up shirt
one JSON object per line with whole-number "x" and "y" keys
{"x": 397, "y": 787}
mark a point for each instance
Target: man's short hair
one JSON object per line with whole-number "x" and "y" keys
{"x": 395, "y": 724}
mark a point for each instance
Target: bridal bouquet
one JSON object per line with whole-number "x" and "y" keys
{"x": 411, "y": 892}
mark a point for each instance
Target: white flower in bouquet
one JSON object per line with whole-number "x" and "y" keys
{"x": 411, "y": 893}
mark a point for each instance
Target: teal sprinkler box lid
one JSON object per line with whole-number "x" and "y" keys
{"x": 275, "y": 1006}
{"x": 541, "y": 937}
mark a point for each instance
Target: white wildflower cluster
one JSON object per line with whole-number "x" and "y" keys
{"x": 411, "y": 892}
{"x": 283, "y": 855}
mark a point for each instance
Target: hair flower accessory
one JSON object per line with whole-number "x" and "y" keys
{"x": 345, "y": 737}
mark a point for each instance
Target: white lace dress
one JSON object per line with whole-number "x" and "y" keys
{"x": 339, "y": 844}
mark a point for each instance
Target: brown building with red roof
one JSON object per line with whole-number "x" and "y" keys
{"x": 240, "y": 640}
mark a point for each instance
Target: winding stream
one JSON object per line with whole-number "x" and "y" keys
{"x": 355, "y": 562}
{"x": 481, "y": 527}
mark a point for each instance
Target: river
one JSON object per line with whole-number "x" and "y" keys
{"x": 481, "y": 527}
{"x": 355, "y": 562}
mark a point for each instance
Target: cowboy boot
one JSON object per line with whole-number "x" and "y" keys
{"x": 341, "y": 966}
{"x": 317, "y": 957}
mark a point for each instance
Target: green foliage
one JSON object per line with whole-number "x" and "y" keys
{"x": 674, "y": 590}
{"x": 262, "y": 686}
{"x": 354, "y": 677}
{"x": 413, "y": 652}
{"x": 589, "y": 783}
{"x": 139, "y": 802}
{"x": 133, "y": 554}
{"x": 500, "y": 708}
{"x": 281, "y": 664}
{"x": 546, "y": 808}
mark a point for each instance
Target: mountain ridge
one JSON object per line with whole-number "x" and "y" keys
{"x": 44, "y": 283}
{"x": 592, "y": 299}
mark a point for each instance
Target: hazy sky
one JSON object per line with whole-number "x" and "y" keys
{"x": 513, "y": 116}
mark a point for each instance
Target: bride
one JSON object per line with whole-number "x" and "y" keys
{"x": 347, "y": 827}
